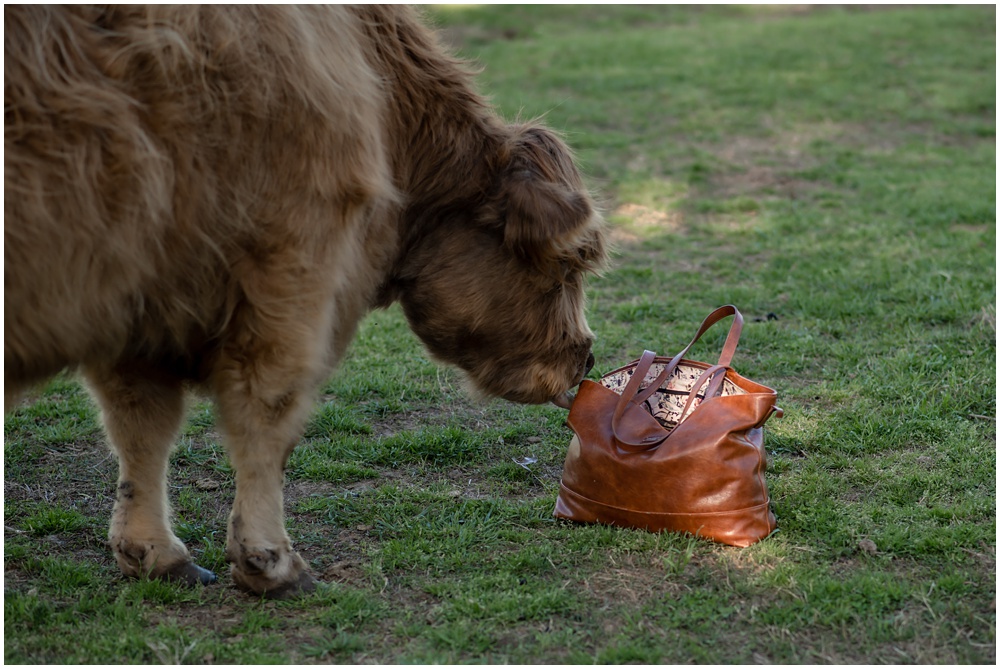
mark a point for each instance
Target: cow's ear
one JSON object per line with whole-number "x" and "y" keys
{"x": 546, "y": 208}
{"x": 541, "y": 214}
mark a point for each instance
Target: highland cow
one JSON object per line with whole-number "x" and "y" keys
{"x": 213, "y": 197}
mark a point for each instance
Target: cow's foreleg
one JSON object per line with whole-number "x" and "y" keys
{"x": 142, "y": 409}
{"x": 262, "y": 424}
{"x": 265, "y": 383}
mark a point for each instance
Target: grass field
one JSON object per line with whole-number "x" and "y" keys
{"x": 834, "y": 168}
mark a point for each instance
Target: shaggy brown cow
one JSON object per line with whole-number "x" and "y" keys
{"x": 214, "y": 196}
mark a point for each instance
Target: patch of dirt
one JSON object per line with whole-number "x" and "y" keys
{"x": 218, "y": 616}
{"x": 346, "y": 571}
{"x": 988, "y": 317}
{"x": 296, "y": 491}
{"x": 647, "y": 217}
{"x": 460, "y": 407}
{"x": 761, "y": 180}
{"x": 78, "y": 475}
{"x": 634, "y": 578}
{"x": 763, "y": 166}
{"x": 642, "y": 218}
{"x": 459, "y": 37}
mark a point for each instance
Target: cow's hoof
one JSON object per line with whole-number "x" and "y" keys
{"x": 303, "y": 586}
{"x": 191, "y": 574}
{"x": 273, "y": 575}
{"x": 169, "y": 562}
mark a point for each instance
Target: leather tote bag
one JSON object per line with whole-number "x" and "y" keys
{"x": 672, "y": 444}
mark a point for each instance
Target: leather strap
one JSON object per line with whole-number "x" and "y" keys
{"x": 714, "y": 380}
{"x": 629, "y": 397}
{"x": 735, "y": 330}
{"x": 632, "y": 396}
{"x": 725, "y": 358}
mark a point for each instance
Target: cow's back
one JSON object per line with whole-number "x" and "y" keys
{"x": 152, "y": 153}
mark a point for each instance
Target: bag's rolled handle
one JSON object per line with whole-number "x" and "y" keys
{"x": 629, "y": 398}
{"x": 713, "y": 376}
{"x": 728, "y": 349}
{"x": 732, "y": 339}
{"x": 631, "y": 394}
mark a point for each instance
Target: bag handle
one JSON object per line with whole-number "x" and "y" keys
{"x": 631, "y": 395}
{"x": 628, "y": 397}
{"x": 714, "y": 380}
{"x": 732, "y": 339}
{"x": 726, "y": 357}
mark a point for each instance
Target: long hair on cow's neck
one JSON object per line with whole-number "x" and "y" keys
{"x": 441, "y": 125}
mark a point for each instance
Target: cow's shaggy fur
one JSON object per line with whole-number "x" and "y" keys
{"x": 214, "y": 196}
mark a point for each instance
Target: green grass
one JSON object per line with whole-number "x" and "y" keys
{"x": 835, "y": 168}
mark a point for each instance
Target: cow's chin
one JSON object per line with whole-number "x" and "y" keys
{"x": 536, "y": 383}
{"x": 564, "y": 400}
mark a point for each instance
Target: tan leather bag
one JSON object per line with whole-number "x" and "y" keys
{"x": 672, "y": 444}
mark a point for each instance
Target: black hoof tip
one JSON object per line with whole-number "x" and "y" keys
{"x": 303, "y": 586}
{"x": 191, "y": 574}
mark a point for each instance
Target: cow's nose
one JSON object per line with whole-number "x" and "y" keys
{"x": 590, "y": 363}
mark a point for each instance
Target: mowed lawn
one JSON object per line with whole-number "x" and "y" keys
{"x": 831, "y": 172}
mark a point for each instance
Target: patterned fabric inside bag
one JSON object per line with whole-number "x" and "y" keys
{"x": 667, "y": 403}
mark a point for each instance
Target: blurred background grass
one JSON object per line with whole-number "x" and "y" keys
{"x": 829, "y": 170}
